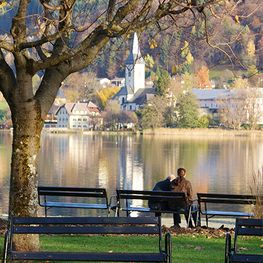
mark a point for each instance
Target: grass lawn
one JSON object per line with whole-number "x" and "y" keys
{"x": 186, "y": 248}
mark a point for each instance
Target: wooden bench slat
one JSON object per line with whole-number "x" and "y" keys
{"x": 246, "y": 258}
{"x": 149, "y": 193}
{"x": 234, "y": 196}
{"x": 69, "y": 188}
{"x": 147, "y": 209}
{"x": 228, "y": 201}
{"x": 250, "y": 231}
{"x": 226, "y": 213}
{"x": 152, "y": 197}
{"x": 87, "y": 256}
{"x": 85, "y": 230}
{"x": 85, "y": 220}
{"x": 249, "y": 222}
{"x": 74, "y": 205}
{"x": 68, "y": 193}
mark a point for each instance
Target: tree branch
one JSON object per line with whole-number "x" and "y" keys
{"x": 7, "y": 77}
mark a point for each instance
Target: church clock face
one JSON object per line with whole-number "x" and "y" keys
{"x": 129, "y": 70}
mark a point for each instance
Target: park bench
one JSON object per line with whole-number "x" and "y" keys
{"x": 126, "y": 201}
{"x": 86, "y": 198}
{"x": 76, "y": 226}
{"x": 244, "y": 227}
{"x": 227, "y": 205}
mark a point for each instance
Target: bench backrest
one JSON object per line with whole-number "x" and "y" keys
{"x": 45, "y": 191}
{"x": 149, "y": 195}
{"x": 247, "y": 227}
{"x": 85, "y": 225}
{"x": 125, "y": 197}
{"x": 225, "y": 198}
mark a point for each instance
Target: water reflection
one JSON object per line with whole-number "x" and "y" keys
{"x": 135, "y": 162}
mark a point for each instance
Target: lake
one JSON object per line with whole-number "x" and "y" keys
{"x": 218, "y": 165}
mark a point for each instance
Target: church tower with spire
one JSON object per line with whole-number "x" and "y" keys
{"x": 134, "y": 94}
{"x": 134, "y": 70}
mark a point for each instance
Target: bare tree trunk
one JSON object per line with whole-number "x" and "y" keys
{"x": 23, "y": 184}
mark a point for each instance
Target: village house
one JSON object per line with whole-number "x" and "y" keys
{"x": 212, "y": 100}
{"x": 51, "y": 118}
{"x": 80, "y": 115}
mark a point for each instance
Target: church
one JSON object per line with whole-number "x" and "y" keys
{"x": 134, "y": 94}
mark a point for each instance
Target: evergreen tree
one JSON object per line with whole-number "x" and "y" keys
{"x": 187, "y": 111}
{"x": 163, "y": 81}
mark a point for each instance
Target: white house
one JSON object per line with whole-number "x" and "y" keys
{"x": 209, "y": 100}
{"x": 134, "y": 94}
{"x": 80, "y": 115}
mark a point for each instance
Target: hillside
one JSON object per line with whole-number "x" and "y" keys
{"x": 172, "y": 48}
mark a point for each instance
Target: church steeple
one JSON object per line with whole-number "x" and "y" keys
{"x": 135, "y": 46}
{"x": 135, "y": 69}
{"x": 135, "y": 53}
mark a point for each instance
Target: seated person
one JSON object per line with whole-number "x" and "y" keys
{"x": 164, "y": 185}
{"x": 180, "y": 184}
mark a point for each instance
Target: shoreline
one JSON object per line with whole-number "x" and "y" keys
{"x": 179, "y": 133}
{"x": 205, "y": 133}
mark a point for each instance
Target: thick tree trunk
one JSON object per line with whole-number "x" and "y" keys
{"x": 23, "y": 184}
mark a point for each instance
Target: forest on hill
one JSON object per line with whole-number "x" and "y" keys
{"x": 236, "y": 43}
{"x": 232, "y": 41}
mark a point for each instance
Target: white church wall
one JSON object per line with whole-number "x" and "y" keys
{"x": 139, "y": 77}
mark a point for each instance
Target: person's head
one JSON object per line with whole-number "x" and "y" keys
{"x": 171, "y": 177}
{"x": 181, "y": 172}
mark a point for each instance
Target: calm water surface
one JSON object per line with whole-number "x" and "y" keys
{"x": 136, "y": 162}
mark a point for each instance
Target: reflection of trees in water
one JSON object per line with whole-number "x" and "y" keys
{"x": 163, "y": 156}
{"x": 136, "y": 162}
{"x": 239, "y": 159}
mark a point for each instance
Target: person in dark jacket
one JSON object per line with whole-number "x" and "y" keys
{"x": 164, "y": 185}
{"x": 180, "y": 184}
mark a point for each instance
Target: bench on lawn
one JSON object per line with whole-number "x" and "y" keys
{"x": 76, "y": 226}
{"x": 86, "y": 198}
{"x": 127, "y": 201}
{"x": 244, "y": 227}
{"x": 229, "y": 202}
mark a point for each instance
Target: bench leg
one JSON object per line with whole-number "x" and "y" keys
{"x": 168, "y": 247}
{"x": 227, "y": 247}
{"x": 6, "y": 246}
{"x": 198, "y": 220}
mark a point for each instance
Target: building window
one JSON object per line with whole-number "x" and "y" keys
{"x": 129, "y": 73}
{"x": 130, "y": 107}
{"x": 122, "y": 100}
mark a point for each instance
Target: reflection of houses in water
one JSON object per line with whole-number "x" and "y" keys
{"x": 131, "y": 173}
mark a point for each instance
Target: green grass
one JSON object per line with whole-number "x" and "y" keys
{"x": 186, "y": 248}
